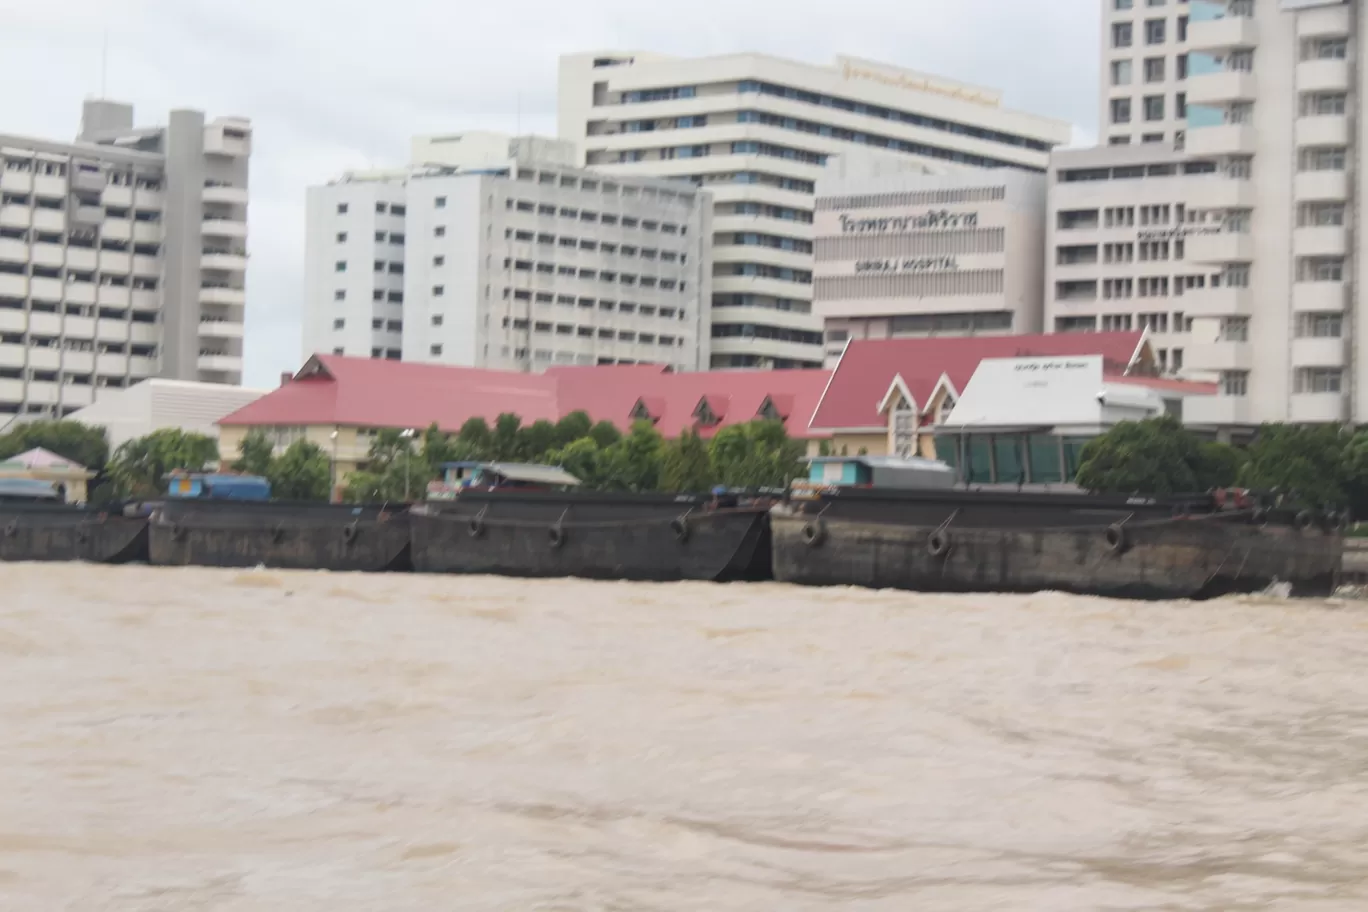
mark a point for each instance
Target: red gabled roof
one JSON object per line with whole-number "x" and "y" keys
{"x": 374, "y": 393}
{"x": 868, "y": 366}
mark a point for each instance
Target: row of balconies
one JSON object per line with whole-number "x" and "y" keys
{"x": 1224, "y": 411}
{"x": 72, "y": 327}
{"x": 1237, "y": 247}
{"x": 80, "y": 259}
{"x": 1307, "y": 297}
{"x": 57, "y": 220}
{"x": 44, "y": 289}
{"x": 39, "y": 358}
{"x": 1223, "y": 355}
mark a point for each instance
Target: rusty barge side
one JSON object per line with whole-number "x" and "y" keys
{"x": 56, "y": 532}
{"x": 661, "y": 537}
{"x": 958, "y": 541}
{"x": 291, "y": 536}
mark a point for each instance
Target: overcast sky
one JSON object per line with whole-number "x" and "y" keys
{"x": 338, "y": 84}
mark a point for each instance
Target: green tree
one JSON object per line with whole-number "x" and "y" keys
{"x": 439, "y": 448}
{"x": 363, "y": 486}
{"x": 83, "y": 444}
{"x": 1155, "y": 456}
{"x": 475, "y": 440}
{"x": 535, "y": 440}
{"x": 605, "y": 434}
{"x": 503, "y": 442}
{"x": 685, "y": 464}
{"x": 139, "y": 467}
{"x": 1218, "y": 465}
{"x": 255, "y": 454}
{"x": 581, "y": 458}
{"x": 1307, "y": 460}
{"x": 302, "y": 472}
{"x": 633, "y": 463}
{"x": 385, "y": 448}
{"x": 572, "y": 427}
{"x": 1354, "y": 466}
{"x": 755, "y": 454}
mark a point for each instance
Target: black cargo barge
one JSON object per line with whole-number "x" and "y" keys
{"x": 1142, "y": 548}
{"x": 54, "y": 532}
{"x": 289, "y": 536}
{"x": 659, "y": 537}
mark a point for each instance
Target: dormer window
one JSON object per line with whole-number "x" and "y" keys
{"x": 770, "y": 411}
{"x": 705, "y": 415}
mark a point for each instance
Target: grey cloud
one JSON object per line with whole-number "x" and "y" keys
{"x": 337, "y": 84}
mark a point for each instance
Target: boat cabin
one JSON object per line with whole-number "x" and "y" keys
{"x": 217, "y": 486}
{"x": 499, "y": 476}
{"x": 893, "y": 472}
{"x": 28, "y": 490}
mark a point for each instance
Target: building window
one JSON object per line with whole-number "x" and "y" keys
{"x": 1154, "y": 69}
{"x": 1120, "y": 110}
{"x": 339, "y": 324}
{"x": 1155, "y": 30}
{"x": 439, "y": 202}
{"x": 381, "y": 208}
{"x": 439, "y": 261}
{"x": 904, "y": 429}
{"x": 339, "y": 295}
{"x": 1120, "y": 72}
{"x": 1180, "y": 105}
{"x": 1121, "y": 34}
{"x": 1234, "y": 329}
{"x": 1320, "y": 325}
{"x": 439, "y": 231}
{"x": 1318, "y": 380}
{"x": 1123, "y": 5}
{"x": 438, "y": 290}
{"x": 436, "y": 319}
{"x": 341, "y": 208}
{"x": 435, "y": 350}
{"x": 1234, "y": 383}
{"x": 1320, "y": 269}
{"x": 341, "y": 237}
{"x": 1154, "y": 107}
{"x": 1180, "y": 66}
{"x": 340, "y": 266}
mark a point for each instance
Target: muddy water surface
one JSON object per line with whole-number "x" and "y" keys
{"x": 219, "y": 740}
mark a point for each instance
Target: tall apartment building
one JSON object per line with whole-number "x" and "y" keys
{"x": 1145, "y": 65}
{"x": 1270, "y": 103}
{"x": 929, "y": 255}
{"x": 757, "y": 131}
{"x": 123, "y": 256}
{"x": 501, "y": 253}
{"x": 1119, "y": 228}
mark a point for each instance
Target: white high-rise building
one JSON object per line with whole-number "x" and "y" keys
{"x": 500, "y": 252}
{"x": 1270, "y": 249}
{"x": 123, "y": 256}
{"x": 756, "y": 131}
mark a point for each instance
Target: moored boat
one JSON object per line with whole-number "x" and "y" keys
{"x": 297, "y": 536}
{"x": 991, "y": 541}
{"x": 57, "y": 532}
{"x": 593, "y": 535}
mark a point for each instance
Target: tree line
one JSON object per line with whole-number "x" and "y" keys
{"x": 757, "y": 454}
{"x": 1323, "y": 465}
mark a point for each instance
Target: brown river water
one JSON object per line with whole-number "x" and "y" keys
{"x": 220, "y": 740}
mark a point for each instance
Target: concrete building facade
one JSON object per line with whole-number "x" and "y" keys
{"x": 1118, "y": 227}
{"x": 928, "y": 255}
{"x": 757, "y": 132}
{"x": 1271, "y": 105}
{"x": 514, "y": 261}
{"x": 123, "y": 256}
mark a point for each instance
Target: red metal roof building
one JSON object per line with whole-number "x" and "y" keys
{"x": 340, "y": 392}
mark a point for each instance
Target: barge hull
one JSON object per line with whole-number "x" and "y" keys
{"x": 280, "y": 536}
{"x": 592, "y": 536}
{"x": 43, "y": 533}
{"x": 1196, "y": 558}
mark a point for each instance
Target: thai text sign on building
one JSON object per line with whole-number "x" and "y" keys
{"x": 929, "y": 221}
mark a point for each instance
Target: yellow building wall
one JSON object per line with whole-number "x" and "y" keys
{"x": 348, "y": 451}
{"x": 873, "y": 444}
